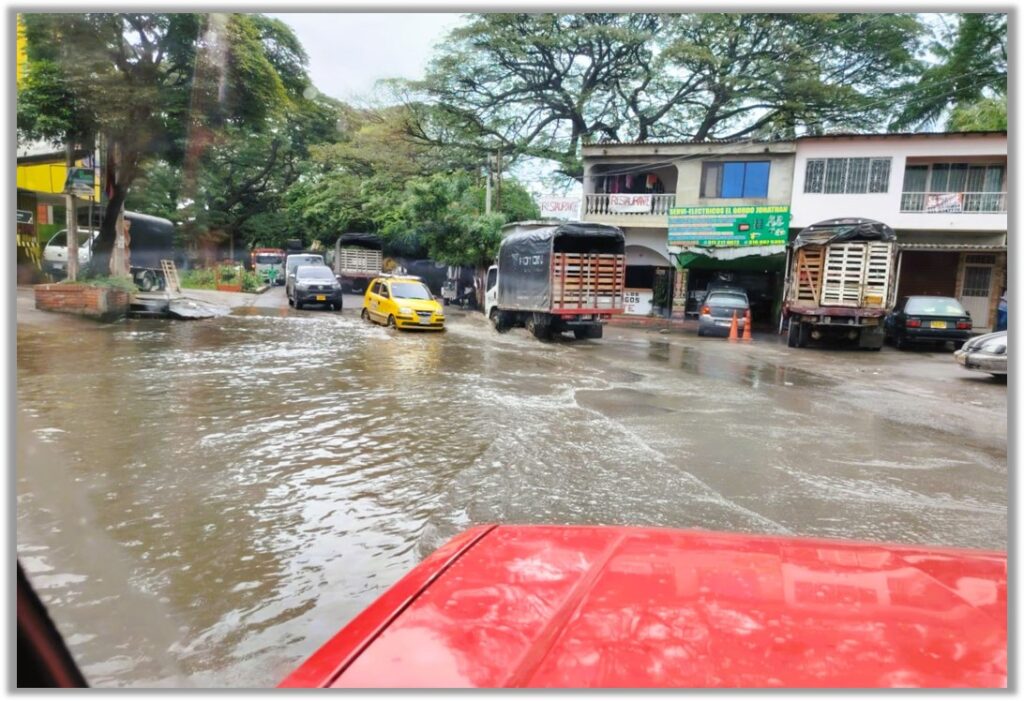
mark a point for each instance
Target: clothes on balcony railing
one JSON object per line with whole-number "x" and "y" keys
{"x": 955, "y": 202}
{"x": 631, "y": 183}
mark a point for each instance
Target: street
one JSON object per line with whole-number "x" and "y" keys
{"x": 258, "y": 479}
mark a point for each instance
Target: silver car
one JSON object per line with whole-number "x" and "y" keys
{"x": 985, "y": 354}
{"x": 716, "y": 312}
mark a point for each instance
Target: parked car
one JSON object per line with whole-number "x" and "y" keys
{"x": 928, "y": 320}
{"x": 402, "y": 302}
{"x": 315, "y": 284}
{"x": 718, "y": 308}
{"x": 985, "y": 354}
{"x": 293, "y": 261}
{"x": 55, "y": 253}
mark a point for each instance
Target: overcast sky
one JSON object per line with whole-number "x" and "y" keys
{"x": 348, "y": 52}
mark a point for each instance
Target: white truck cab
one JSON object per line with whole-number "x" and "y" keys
{"x": 491, "y": 292}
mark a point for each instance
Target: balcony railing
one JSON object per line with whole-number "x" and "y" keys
{"x": 630, "y": 205}
{"x": 954, "y": 202}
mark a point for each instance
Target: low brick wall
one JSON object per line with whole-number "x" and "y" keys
{"x": 85, "y": 300}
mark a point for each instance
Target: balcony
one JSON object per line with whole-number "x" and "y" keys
{"x": 629, "y": 206}
{"x": 954, "y": 202}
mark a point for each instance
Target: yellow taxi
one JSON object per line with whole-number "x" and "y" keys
{"x": 403, "y": 302}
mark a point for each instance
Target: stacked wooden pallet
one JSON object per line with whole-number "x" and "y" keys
{"x": 588, "y": 280}
{"x": 809, "y": 261}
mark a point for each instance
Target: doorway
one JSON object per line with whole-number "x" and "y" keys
{"x": 976, "y": 290}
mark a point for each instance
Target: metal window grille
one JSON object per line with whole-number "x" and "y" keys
{"x": 815, "y": 177}
{"x": 977, "y": 281}
{"x": 835, "y": 175}
{"x": 857, "y": 175}
{"x": 879, "y": 179}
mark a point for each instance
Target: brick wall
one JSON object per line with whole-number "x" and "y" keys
{"x": 86, "y": 300}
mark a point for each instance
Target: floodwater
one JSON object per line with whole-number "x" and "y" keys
{"x": 205, "y": 503}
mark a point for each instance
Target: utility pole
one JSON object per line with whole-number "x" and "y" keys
{"x": 71, "y": 218}
{"x": 487, "y": 199}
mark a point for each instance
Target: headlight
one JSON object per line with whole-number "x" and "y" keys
{"x": 405, "y": 310}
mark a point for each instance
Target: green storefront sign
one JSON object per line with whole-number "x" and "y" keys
{"x": 726, "y": 227}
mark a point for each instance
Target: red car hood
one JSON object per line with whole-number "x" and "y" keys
{"x": 539, "y": 606}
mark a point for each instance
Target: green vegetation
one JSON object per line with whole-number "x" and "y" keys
{"x": 206, "y": 278}
{"x": 125, "y": 284}
{"x": 211, "y": 120}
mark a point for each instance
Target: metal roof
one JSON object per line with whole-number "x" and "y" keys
{"x": 950, "y": 247}
{"x": 806, "y": 137}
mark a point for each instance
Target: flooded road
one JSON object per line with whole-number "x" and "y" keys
{"x": 205, "y": 503}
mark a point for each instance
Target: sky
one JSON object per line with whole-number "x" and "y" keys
{"x": 348, "y": 52}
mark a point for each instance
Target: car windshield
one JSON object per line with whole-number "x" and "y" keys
{"x": 267, "y": 259}
{"x": 728, "y": 299}
{"x": 934, "y": 306}
{"x": 410, "y": 290}
{"x": 314, "y": 272}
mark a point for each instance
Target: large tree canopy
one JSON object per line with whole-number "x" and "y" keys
{"x": 541, "y": 84}
{"x": 968, "y": 79}
{"x": 160, "y": 86}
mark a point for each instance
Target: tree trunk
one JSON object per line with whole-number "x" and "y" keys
{"x": 104, "y": 246}
{"x": 72, "y": 220}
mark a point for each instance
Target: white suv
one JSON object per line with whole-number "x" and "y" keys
{"x": 55, "y": 254}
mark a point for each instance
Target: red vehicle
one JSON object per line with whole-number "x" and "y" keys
{"x": 546, "y": 606}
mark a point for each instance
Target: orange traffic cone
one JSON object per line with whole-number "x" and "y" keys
{"x": 746, "y": 328}
{"x": 734, "y": 329}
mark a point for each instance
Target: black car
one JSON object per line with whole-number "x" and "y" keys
{"x": 928, "y": 320}
{"x": 315, "y": 284}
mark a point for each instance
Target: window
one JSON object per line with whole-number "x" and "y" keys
{"x": 847, "y": 175}
{"x": 492, "y": 277}
{"x": 735, "y": 179}
{"x": 410, "y": 290}
{"x": 934, "y": 306}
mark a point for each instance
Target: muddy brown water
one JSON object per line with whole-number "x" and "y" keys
{"x": 205, "y": 503}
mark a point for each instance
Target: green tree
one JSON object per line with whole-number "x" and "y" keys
{"x": 985, "y": 115}
{"x": 542, "y": 84}
{"x": 152, "y": 86}
{"x": 970, "y": 69}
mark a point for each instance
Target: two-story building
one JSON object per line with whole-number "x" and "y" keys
{"x": 694, "y": 212}
{"x": 943, "y": 193}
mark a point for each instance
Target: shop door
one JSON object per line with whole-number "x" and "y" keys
{"x": 976, "y": 294}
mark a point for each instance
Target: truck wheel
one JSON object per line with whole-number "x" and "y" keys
{"x": 499, "y": 321}
{"x": 581, "y": 334}
{"x": 793, "y": 339}
{"x": 595, "y": 331}
{"x": 539, "y": 330}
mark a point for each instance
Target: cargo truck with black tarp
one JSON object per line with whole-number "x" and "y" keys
{"x": 841, "y": 282}
{"x": 553, "y": 277}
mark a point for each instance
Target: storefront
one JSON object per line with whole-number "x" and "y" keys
{"x": 743, "y": 246}
{"x": 969, "y": 267}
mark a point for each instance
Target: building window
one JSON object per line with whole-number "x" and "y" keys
{"x": 847, "y": 175}
{"x": 735, "y": 179}
{"x": 956, "y": 187}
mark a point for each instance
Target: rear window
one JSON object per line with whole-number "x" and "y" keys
{"x": 934, "y": 307}
{"x": 728, "y": 299}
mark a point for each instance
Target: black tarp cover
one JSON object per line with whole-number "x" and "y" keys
{"x": 524, "y": 259}
{"x": 850, "y": 229}
{"x": 361, "y": 240}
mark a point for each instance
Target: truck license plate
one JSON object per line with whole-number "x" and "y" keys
{"x": 938, "y": 324}
{"x": 321, "y": 298}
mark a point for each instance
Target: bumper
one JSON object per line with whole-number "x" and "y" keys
{"x": 713, "y": 325}
{"x": 923, "y": 334}
{"x": 408, "y": 322}
{"x": 982, "y": 362}
{"x": 313, "y": 297}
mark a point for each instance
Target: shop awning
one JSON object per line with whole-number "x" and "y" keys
{"x": 994, "y": 242}
{"x": 739, "y": 258}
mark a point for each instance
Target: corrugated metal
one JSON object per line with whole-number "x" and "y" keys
{"x": 949, "y": 247}
{"x": 806, "y": 137}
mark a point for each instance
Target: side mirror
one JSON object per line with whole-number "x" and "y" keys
{"x": 968, "y": 313}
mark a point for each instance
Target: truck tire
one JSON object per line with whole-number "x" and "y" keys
{"x": 541, "y": 330}
{"x": 793, "y": 338}
{"x": 596, "y": 331}
{"x": 498, "y": 320}
{"x": 581, "y": 334}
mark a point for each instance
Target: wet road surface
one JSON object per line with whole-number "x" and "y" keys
{"x": 205, "y": 503}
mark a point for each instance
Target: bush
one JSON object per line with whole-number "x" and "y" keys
{"x": 198, "y": 279}
{"x": 251, "y": 281}
{"x": 125, "y": 283}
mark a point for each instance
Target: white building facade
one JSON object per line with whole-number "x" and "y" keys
{"x": 943, "y": 193}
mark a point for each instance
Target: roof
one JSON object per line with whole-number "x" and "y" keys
{"x": 951, "y": 247}
{"x": 901, "y": 135}
{"x": 837, "y": 135}
{"x": 580, "y": 606}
